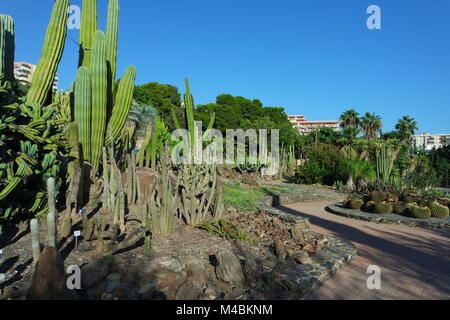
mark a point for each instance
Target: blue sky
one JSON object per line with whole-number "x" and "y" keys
{"x": 312, "y": 57}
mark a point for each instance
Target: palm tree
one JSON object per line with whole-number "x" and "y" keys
{"x": 349, "y": 137}
{"x": 349, "y": 118}
{"x": 406, "y": 127}
{"x": 371, "y": 124}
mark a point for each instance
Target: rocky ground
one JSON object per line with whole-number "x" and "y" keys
{"x": 282, "y": 260}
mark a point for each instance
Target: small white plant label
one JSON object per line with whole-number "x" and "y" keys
{"x": 1, "y": 253}
{"x": 77, "y": 233}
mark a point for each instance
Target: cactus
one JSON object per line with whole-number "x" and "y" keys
{"x": 369, "y": 206}
{"x": 82, "y": 109}
{"x": 122, "y": 106}
{"x": 7, "y": 47}
{"x": 35, "y": 244}
{"x": 438, "y": 211}
{"x": 355, "y": 204}
{"x": 189, "y": 114}
{"x": 383, "y": 208}
{"x": 400, "y": 208}
{"x": 89, "y": 25}
{"x": 112, "y": 34}
{"x": 385, "y": 162}
{"x": 419, "y": 212}
{"x": 99, "y": 74}
{"x": 377, "y": 196}
{"x": 52, "y": 51}
{"x": 51, "y": 216}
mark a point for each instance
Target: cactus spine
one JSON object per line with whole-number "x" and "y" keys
{"x": 7, "y": 47}
{"x": 99, "y": 75}
{"x": 52, "y": 51}
{"x": 89, "y": 25}
{"x": 82, "y": 109}
{"x": 112, "y": 34}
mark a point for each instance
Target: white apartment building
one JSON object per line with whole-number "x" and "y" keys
{"x": 23, "y": 72}
{"x": 431, "y": 141}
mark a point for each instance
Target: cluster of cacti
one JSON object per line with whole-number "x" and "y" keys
{"x": 96, "y": 108}
{"x": 156, "y": 138}
{"x": 158, "y": 204}
{"x": 191, "y": 124}
{"x": 438, "y": 211}
{"x": 385, "y": 161}
{"x": 200, "y": 194}
{"x": 407, "y": 203}
{"x": 114, "y": 193}
{"x": 32, "y": 135}
{"x": 51, "y": 224}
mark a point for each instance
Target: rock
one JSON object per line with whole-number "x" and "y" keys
{"x": 190, "y": 290}
{"x": 322, "y": 242}
{"x": 280, "y": 251}
{"x": 229, "y": 269}
{"x": 96, "y": 292}
{"x": 120, "y": 292}
{"x": 210, "y": 293}
{"x": 49, "y": 279}
{"x": 299, "y": 231}
{"x": 303, "y": 260}
{"x": 94, "y": 272}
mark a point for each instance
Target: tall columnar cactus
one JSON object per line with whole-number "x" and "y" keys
{"x": 189, "y": 113}
{"x": 99, "y": 76}
{"x": 89, "y": 25}
{"x": 112, "y": 34}
{"x": 51, "y": 216}
{"x": 385, "y": 161}
{"x": 52, "y": 51}
{"x": 82, "y": 109}
{"x": 35, "y": 244}
{"x": 122, "y": 106}
{"x": 7, "y": 47}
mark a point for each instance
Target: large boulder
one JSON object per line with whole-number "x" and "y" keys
{"x": 229, "y": 269}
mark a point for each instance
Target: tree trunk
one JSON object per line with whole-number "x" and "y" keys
{"x": 350, "y": 183}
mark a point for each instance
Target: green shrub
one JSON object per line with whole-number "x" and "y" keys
{"x": 438, "y": 211}
{"x": 419, "y": 212}
{"x": 321, "y": 166}
{"x": 383, "y": 208}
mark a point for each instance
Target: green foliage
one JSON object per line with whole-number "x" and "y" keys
{"x": 440, "y": 162}
{"x": 156, "y": 139}
{"x": 321, "y": 167}
{"x": 226, "y": 230}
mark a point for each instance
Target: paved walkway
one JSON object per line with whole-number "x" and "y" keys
{"x": 414, "y": 262}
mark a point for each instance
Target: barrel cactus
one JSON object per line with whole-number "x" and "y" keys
{"x": 369, "y": 206}
{"x": 355, "y": 204}
{"x": 419, "y": 212}
{"x": 377, "y": 196}
{"x": 400, "y": 207}
{"x": 383, "y": 208}
{"x": 438, "y": 211}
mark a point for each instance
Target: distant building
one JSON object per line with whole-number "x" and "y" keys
{"x": 23, "y": 72}
{"x": 305, "y": 127}
{"x": 431, "y": 141}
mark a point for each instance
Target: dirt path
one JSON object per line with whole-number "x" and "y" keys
{"x": 414, "y": 262}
